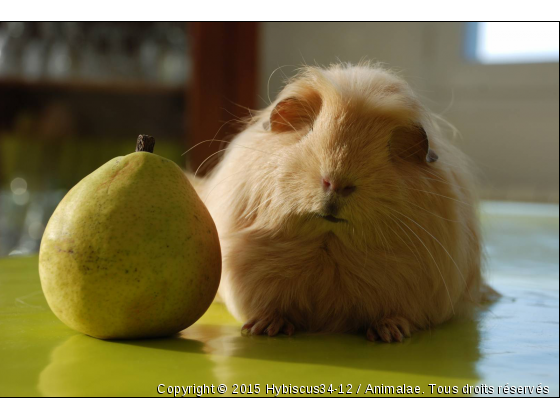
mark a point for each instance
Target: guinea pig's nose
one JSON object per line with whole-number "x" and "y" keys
{"x": 338, "y": 187}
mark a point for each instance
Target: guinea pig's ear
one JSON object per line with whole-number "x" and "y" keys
{"x": 411, "y": 144}
{"x": 292, "y": 114}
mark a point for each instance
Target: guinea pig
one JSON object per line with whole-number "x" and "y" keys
{"x": 343, "y": 208}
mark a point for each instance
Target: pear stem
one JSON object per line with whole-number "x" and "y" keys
{"x": 145, "y": 143}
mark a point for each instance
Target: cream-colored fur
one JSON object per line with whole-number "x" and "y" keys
{"x": 408, "y": 255}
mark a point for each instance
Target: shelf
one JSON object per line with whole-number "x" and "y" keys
{"x": 83, "y": 86}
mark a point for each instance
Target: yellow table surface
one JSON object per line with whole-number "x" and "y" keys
{"x": 512, "y": 342}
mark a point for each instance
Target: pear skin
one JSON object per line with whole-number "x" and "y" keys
{"x": 131, "y": 251}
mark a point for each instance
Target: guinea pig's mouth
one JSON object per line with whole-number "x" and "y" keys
{"x": 333, "y": 219}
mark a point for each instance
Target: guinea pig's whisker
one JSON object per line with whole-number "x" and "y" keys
{"x": 255, "y": 209}
{"x": 404, "y": 242}
{"x": 311, "y": 117}
{"x": 435, "y": 180}
{"x": 439, "y": 195}
{"x": 219, "y": 129}
{"x": 409, "y": 148}
{"x": 433, "y": 214}
{"x": 437, "y": 240}
{"x": 242, "y": 107}
{"x": 196, "y": 145}
{"x": 211, "y": 161}
{"x": 223, "y": 150}
{"x": 416, "y": 254}
{"x": 384, "y": 240}
{"x": 454, "y": 263}
{"x": 212, "y": 139}
{"x": 435, "y": 262}
{"x": 430, "y": 172}
{"x": 386, "y": 246}
{"x": 231, "y": 145}
{"x": 204, "y": 161}
{"x": 366, "y": 247}
{"x": 378, "y": 239}
{"x": 206, "y": 141}
{"x": 288, "y": 123}
{"x": 392, "y": 248}
{"x": 270, "y": 77}
{"x": 236, "y": 118}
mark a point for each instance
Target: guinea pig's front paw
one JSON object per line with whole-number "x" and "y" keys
{"x": 389, "y": 330}
{"x": 270, "y": 325}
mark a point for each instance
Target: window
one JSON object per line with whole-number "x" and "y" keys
{"x": 512, "y": 42}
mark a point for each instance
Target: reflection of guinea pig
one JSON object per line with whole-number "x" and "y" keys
{"x": 341, "y": 207}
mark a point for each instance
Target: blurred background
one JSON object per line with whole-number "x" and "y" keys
{"x": 74, "y": 95}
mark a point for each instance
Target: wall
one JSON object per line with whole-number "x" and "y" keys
{"x": 507, "y": 115}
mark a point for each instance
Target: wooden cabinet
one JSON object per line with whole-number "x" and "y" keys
{"x": 224, "y": 83}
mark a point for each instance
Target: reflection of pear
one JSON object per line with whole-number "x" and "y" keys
{"x": 131, "y": 251}
{"x": 83, "y": 366}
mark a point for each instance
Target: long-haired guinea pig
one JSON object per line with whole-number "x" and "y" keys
{"x": 342, "y": 208}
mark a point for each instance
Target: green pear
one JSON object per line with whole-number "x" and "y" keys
{"x": 131, "y": 251}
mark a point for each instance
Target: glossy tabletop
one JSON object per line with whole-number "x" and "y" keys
{"x": 512, "y": 342}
